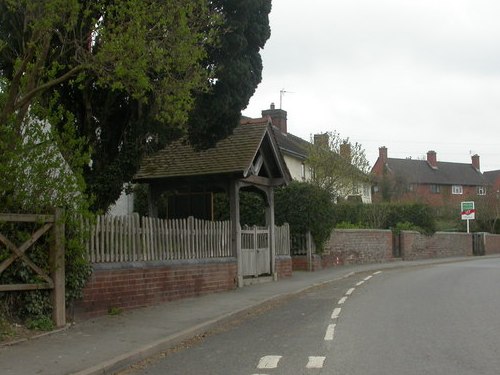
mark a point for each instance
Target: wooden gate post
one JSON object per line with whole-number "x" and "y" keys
{"x": 56, "y": 261}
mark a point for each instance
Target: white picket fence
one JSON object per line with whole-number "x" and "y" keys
{"x": 133, "y": 238}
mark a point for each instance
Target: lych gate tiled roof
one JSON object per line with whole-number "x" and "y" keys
{"x": 232, "y": 155}
{"x": 419, "y": 171}
{"x": 287, "y": 142}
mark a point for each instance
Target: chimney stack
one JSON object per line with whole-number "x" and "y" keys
{"x": 475, "y": 162}
{"x": 432, "y": 159}
{"x": 345, "y": 151}
{"x": 382, "y": 154}
{"x": 321, "y": 140}
{"x": 278, "y": 117}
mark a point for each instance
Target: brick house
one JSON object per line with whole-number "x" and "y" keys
{"x": 493, "y": 178}
{"x": 427, "y": 181}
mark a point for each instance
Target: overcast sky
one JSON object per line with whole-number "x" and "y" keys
{"x": 411, "y": 75}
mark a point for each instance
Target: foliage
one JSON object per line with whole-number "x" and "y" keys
{"x": 338, "y": 164}
{"x": 43, "y": 323}
{"x": 252, "y": 208}
{"x": 305, "y": 207}
{"x": 347, "y": 225}
{"x": 37, "y": 178}
{"x": 487, "y": 212}
{"x": 386, "y": 216}
{"x": 126, "y": 70}
{"x": 236, "y": 68}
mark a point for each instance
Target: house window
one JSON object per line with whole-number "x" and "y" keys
{"x": 481, "y": 190}
{"x": 411, "y": 187}
{"x": 435, "y": 189}
{"x": 457, "y": 189}
{"x": 303, "y": 172}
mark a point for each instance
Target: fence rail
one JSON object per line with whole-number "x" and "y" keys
{"x": 132, "y": 238}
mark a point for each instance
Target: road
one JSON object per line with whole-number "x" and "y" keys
{"x": 437, "y": 319}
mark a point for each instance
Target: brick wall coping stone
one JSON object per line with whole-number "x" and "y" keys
{"x": 160, "y": 263}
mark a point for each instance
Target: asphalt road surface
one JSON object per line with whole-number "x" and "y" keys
{"x": 436, "y": 319}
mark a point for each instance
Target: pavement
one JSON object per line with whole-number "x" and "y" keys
{"x": 109, "y": 343}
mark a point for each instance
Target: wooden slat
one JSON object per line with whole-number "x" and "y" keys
{"x": 14, "y": 287}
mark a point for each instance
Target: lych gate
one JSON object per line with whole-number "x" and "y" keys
{"x": 249, "y": 159}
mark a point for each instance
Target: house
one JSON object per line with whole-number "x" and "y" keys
{"x": 295, "y": 151}
{"x": 493, "y": 178}
{"x": 427, "y": 181}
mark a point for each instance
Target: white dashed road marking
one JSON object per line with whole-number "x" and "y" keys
{"x": 349, "y": 292}
{"x": 269, "y": 361}
{"x": 368, "y": 278}
{"x": 330, "y": 331}
{"x": 342, "y": 300}
{"x": 360, "y": 283}
{"x": 336, "y": 312}
{"x": 315, "y": 362}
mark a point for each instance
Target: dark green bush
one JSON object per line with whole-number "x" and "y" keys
{"x": 305, "y": 207}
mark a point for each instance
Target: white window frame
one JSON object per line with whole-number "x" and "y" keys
{"x": 481, "y": 190}
{"x": 457, "y": 189}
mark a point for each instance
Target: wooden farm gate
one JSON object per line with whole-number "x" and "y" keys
{"x": 255, "y": 251}
{"x": 55, "y": 279}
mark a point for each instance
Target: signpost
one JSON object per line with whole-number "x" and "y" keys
{"x": 468, "y": 212}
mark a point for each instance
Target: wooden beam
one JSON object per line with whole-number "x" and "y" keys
{"x": 27, "y": 218}
{"x": 264, "y": 181}
{"x": 13, "y": 287}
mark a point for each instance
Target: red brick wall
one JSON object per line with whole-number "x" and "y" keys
{"x": 440, "y": 245}
{"x": 299, "y": 263}
{"x": 357, "y": 246}
{"x": 283, "y": 266}
{"x": 132, "y": 285}
{"x": 492, "y": 244}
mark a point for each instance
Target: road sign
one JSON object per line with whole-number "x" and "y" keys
{"x": 468, "y": 211}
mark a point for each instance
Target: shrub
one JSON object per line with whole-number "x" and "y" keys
{"x": 305, "y": 207}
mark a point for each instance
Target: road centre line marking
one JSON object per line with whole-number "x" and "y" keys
{"x": 269, "y": 361}
{"x": 342, "y": 300}
{"x": 336, "y": 312}
{"x": 360, "y": 283}
{"x": 368, "y": 277}
{"x": 349, "y": 292}
{"x": 330, "y": 331}
{"x": 376, "y": 273}
{"x": 315, "y": 362}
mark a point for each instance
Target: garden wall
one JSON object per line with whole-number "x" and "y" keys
{"x": 357, "y": 246}
{"x": 361, "y": 246}
{"x": 440, "y": 245}
{"x": 492, "y": 244}
{"x": 139, "y": 284}
{"x": 283, "y": 266}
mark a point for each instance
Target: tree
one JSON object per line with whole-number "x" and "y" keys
{"x": 236, "y": 66}
{"x": 337, "y": 164}
{"x": 125, "y": 71}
